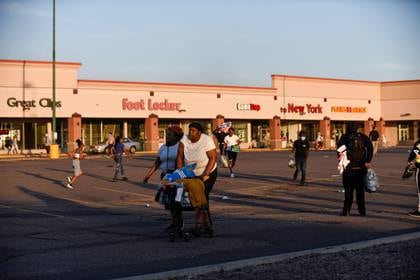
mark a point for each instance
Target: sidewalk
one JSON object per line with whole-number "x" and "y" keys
{"x": 394, "y": 257}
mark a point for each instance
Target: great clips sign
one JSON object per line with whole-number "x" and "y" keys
{"x": 302, "y": 109}
{"x": 28, "y": 104}
{"x": 247, "y": 107}
{"x": 149, "y": 104}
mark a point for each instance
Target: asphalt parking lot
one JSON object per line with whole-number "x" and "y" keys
{"x": 104, "y": 229}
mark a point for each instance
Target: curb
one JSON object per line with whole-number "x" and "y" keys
{"x": 229, "y": 266}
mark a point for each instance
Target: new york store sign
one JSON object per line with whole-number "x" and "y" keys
{"x": 301, "y": 109}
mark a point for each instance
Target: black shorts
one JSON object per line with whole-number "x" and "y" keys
{"x": 232, "y": 155}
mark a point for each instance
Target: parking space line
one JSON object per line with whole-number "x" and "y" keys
{"x": 33, "y": 211}
{"x": 118, "y": 191}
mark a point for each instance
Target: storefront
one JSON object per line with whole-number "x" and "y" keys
{"x": 263, "y": 117}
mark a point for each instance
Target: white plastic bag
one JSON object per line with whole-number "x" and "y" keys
{"x": 224, "y": 161}
{"x": 371, "y": 181}
{"x": 291, "y": 161}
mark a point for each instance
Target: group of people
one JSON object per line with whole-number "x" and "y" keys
{"x": 183, "y": 150}
{"x": 199, "y": 148}
{"x": 12, "y": 145}
{"x": 359, "y": 151}
{"x": 117, "y": 150}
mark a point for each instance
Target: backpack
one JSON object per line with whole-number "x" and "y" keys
{"x": 356, "y": 149}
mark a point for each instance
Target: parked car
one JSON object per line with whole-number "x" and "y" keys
{"x": 129, "y": 144}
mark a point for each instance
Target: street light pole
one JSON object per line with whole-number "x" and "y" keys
{"x": 53, "y": 80}
{"x": 54, "y": 149}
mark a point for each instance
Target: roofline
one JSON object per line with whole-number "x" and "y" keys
{"x": 322, "y": 78}
{"x": 344, "y": 80}
{"x": 402, "y": 81}
{"x": 40, "y": 62}
{"x": 176, "y": 84}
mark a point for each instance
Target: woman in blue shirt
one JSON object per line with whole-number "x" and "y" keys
{"x": 166, "y": 159}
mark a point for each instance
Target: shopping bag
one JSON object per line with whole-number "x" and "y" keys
{"x": 235, "y": 148}
{"x": 185, "y": 200}
{"x": 371, "y": 181}
{"x": 224, "y": 161}
{"x": 409, "y": 170}
{"x": 291, "y": 162}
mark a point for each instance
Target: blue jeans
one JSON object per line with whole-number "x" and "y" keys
{"x": 120, "y": 167}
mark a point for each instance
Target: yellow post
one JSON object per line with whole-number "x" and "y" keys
{"x": 54, "y": 151}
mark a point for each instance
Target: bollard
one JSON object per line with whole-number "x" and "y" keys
{"x": 54, "y": 151}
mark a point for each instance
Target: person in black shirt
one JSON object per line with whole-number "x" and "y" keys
{"x": 220, "y": 136}
{"x": 414, "y": 159}
{"x": 374, "y": 136}
{"x": 359, "y": 151}
{"x": 301, "y": 151}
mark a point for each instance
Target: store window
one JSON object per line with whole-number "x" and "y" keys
{"x": 30, "y": 135}
{"x": 260, "y": 134}
{"x": 311, "y": 129}
{"x": 136, "y": 129}
{"x": 404, "y": 132}
{"x": 96, "y": 131}
{"x": 241, "y": 129}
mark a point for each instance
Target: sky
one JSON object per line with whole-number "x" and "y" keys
{"x": 223, "y": 42}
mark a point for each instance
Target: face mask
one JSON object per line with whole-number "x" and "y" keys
{"x": 302, "y": 138}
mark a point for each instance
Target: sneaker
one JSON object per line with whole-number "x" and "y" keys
{"x": 232, "y": 175}
{"x": 415, "y": 213}
{"x": 68, "y": 178}
{"x": 125, "y": 179}
{"x": 114, "y": 180}
{"x": 69, "y": 186}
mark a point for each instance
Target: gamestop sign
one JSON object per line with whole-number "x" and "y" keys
{"x": 247, "y": 107}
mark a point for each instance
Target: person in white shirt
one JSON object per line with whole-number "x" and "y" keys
{"x": 197, "y": 147}
{"x": 319, "y": 141}
{"x": 232, "y": 148}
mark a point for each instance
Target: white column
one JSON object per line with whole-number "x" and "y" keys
{"x": 36, "y": 131}
{"x": 102, "y": 132}
{"x": 90, "y": 134}
{"x": 125, "y": 129}
{"x": 49, "y": 131}
{"x": 249, "y": 134}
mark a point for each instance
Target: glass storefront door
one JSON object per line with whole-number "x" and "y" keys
{"x": 404, "y": 133}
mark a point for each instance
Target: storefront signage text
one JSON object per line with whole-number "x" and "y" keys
{"x": 28, "y": 104}
{"x": 310, "y": 109}
{"x": 152, "y": 106}
{"x": 344, "y": 109}
{"x": 248, "y": 107}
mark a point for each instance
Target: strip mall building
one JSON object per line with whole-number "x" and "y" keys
{"x": 262, "y": 116}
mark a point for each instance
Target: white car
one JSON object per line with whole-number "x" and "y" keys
{"x": 129, "y": 144}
